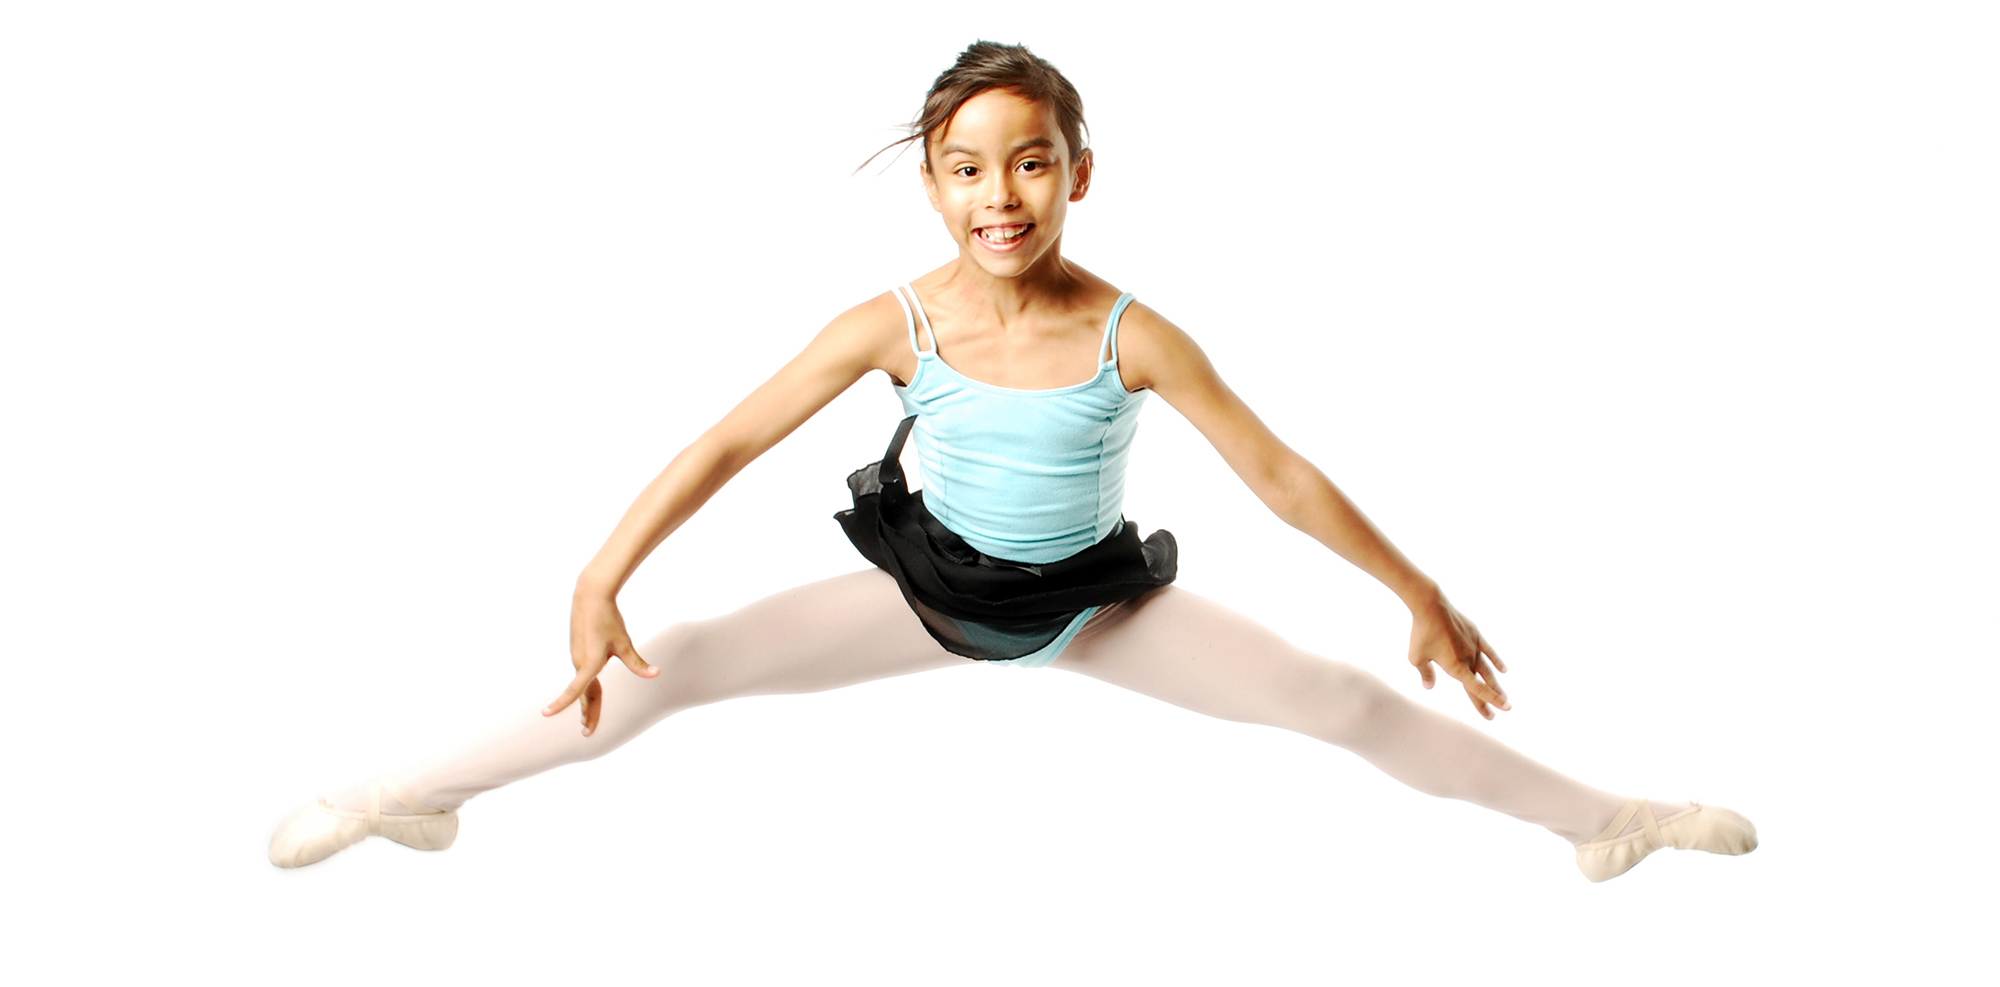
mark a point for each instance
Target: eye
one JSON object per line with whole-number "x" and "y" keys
{"x": 965, "y": 171}
{"x": 1033, "y": 165}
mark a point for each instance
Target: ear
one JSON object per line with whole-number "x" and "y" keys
{"x": 930, "y": 185}
{"x": 1080, "y": 186}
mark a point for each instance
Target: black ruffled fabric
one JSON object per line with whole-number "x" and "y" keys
{"x": 976, "y": 605}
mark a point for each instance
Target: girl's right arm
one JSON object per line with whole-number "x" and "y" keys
{"x": 866, "y": 337}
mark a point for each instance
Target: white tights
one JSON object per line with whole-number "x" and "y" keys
{"x": 1171, "y": 644}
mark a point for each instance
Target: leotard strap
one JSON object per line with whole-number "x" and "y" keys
{"x": 1108, "y": 354}
{"x": 910, "y": 322}
{"x": 913, "y": 312}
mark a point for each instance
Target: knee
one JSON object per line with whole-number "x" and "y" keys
{"x": 1347, "y": 704}
{"x": 679, "y": 652}
{"x": 694, "y": 666}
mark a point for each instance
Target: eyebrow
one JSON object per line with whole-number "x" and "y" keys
{"x": 1018, "y": 148}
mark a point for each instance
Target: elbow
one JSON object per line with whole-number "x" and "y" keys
{"x": 1291, "y": 488}
{"x": 720, "y": 454}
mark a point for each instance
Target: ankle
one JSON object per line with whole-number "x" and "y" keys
{"x": 1662, "y": 812}
{"x": 356, "y": 799}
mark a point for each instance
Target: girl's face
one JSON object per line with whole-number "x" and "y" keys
{"x": 1001, "y": 176}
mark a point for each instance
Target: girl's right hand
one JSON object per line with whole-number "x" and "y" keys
{"x": 596, "y": 634}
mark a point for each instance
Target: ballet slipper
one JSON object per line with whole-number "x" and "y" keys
{"x": 319, "y": 830}
{"x": 1703, "y": 827}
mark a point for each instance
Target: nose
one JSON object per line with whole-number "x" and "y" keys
{"x": 1000, "y": 192}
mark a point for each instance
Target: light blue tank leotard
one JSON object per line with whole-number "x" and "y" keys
{"x": 1023, "y": 475}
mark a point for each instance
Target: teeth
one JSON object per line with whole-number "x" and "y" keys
{"x": 1002, "y": 232}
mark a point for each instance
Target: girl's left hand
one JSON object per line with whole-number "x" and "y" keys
{"x": 1439, "y": 633}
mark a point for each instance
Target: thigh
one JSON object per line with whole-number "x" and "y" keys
{"x": 1188, "y": 650}
{"x": 819, "y": 636}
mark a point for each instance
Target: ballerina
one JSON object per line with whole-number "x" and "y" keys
{"x": 1022, "y": 375}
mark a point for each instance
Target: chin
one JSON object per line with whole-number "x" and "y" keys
{"x": 1012, "y": 266}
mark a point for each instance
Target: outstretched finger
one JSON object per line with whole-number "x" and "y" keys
{"x": 1478, "y": 702}
{"x": 571, "y": 693}
{"x": 1487, "y": 650}
{"x": 593, "y": 706}
{"x": 1483, "y": 692}
{"x": 1492, "y": 677}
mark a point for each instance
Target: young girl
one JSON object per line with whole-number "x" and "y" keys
{"x": 1023, "y": 375}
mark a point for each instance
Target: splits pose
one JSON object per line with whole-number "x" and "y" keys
{"x": 1022, "y": 374}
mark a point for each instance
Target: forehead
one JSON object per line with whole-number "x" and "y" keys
{"x": 999, "y": 120}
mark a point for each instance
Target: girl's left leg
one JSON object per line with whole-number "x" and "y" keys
{"x": 1177, "y": 646}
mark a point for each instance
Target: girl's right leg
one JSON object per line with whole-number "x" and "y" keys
{"x": 821, "y": 636}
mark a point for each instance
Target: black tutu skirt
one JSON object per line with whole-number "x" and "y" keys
{"x": 976, "y": 605}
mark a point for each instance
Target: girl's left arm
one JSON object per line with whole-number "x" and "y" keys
{"x": 1155, "y": 354}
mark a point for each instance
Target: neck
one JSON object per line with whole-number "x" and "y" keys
{"x": 1051, "y": 279}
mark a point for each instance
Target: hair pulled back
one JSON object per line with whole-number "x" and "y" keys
{"x": 984, "y": 67}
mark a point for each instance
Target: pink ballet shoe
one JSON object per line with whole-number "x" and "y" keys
{"x": 1703, "y": 827}
{"x": 319, "y": 830}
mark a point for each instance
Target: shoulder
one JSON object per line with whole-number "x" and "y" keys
{"x": 1152, "y": 351}
{"x": 876, "y": 333}
{"x": 1159, "y": 356}
{"x": 879, "y": 314}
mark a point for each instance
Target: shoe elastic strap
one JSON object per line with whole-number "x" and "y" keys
{"x": 400, "y": 794}
{"x": 1636, "y": 807}
{"x": 409, "y": 801}
{"x": 1652, "y": 825}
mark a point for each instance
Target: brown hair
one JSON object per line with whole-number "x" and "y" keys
{"x": 984, "y": 67}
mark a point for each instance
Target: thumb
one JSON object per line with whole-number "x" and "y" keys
{"x": 630, "y": 656}
{"x": 1430, "y": 677}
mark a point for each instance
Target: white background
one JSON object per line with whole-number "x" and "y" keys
{"x": 338, "y": 337}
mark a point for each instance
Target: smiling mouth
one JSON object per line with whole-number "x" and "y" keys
{"x": 1003, "y": 235}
